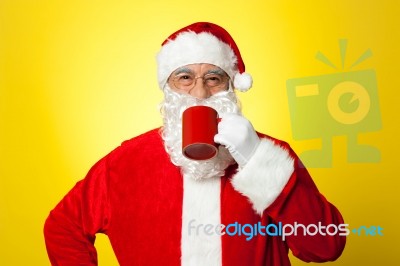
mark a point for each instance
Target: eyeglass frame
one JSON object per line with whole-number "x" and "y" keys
{"x": 187, "y": 71}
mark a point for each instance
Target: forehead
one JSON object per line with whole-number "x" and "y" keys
{"x": 199, "y": 68}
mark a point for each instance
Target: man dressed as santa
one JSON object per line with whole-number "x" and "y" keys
{"x": 248, "y": 205}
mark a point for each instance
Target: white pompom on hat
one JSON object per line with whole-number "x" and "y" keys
{"x": 202, "y": 42}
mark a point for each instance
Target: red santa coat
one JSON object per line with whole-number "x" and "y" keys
{"x": 153, "y": 216}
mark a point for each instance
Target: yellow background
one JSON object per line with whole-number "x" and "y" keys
{"x": 79, "y": 77}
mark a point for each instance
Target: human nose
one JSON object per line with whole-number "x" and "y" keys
{"x": 199, "y": 90}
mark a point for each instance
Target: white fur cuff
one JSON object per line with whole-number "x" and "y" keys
{"x": 263, "y": 178}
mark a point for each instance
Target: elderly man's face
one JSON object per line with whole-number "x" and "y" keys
{"x": 199, "y": 80}
{"x": 191, "y": 85}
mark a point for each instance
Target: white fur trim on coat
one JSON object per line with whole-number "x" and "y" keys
{"x": 263, "y": 178}
{"x": 192, "y": 48}
{"x": 201, "y": 210}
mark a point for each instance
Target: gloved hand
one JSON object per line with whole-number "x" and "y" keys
{"x": 237, "y": 134}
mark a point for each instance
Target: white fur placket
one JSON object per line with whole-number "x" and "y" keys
{"x": 201, "y": 206}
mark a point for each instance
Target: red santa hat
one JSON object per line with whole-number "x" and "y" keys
{"x": 202, "y": 42}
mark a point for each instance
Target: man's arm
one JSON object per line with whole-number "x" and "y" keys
{"x": 70, "y": 228}
{"x": 272, "y": 177}
{"x": 300, "y": 203}
{"x": 278, "y": 185}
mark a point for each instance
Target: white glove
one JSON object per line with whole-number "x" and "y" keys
{"x": 237, "y": 134}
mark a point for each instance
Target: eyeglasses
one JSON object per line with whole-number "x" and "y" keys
{"x": 187, "y": 81}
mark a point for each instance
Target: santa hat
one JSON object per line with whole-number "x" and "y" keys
{"x": 202, "y": 42}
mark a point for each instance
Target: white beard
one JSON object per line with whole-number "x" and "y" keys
{"x": 171, "y": 109}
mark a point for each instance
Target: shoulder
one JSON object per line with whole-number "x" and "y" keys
{"x": 274, "y": 141}
{"x": 280, "y": 145}
{"x": 146, "y": 139}
{"x": 145, "y": 144}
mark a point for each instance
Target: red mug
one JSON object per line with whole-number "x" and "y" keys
{"x": 199, "y": 126}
